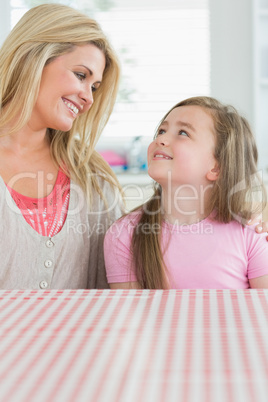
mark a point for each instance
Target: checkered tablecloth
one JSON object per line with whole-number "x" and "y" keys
{"x": 134, "y": 346}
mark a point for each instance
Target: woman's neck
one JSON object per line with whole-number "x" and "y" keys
{"x": 24, "y": 141}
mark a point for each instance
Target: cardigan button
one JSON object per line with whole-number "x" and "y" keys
{"x": 48, "y": 263}
{"x": 43, "y": 284}
{"x": 49, "y": 243}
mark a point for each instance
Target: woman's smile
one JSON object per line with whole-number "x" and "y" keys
{"x": 71, "y": 107}
{"x": 67, "y": 86}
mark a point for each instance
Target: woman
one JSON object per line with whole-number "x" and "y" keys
{"x": 58, "y": 84}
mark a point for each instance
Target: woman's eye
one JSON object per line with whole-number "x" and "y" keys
{"x": 183, "y": 133}
{"x": 94, "y": 88}
{"x": 80, "y": 76}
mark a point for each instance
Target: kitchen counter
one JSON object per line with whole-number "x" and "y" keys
{"x": 142, "y": 179}
{"x": 138, "y": 188}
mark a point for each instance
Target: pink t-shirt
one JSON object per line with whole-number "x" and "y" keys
{"x": 206, "y": 255}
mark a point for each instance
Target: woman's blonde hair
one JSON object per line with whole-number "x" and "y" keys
{"x": 44, "y": 33}
{"x": 237, "y": 194}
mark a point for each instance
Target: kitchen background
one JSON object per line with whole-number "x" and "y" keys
{"x": 170, "y": 50}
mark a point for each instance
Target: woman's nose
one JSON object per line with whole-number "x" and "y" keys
{"x": 87, "y": 96}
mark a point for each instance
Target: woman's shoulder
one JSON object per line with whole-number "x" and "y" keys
{"x": 105, "y": 189}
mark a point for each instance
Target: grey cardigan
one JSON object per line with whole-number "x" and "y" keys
{"x": 72, "y": 259}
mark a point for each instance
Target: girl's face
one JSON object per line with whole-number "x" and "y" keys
{"x": 67, "y": 86}
{"x": 183, "y": 151}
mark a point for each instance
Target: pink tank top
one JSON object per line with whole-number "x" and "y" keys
{"x": 46, "y": 215}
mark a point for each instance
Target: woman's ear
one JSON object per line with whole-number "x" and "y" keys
{"x": 213, "y": 173}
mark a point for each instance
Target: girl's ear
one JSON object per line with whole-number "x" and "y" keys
{"x": 213, "y": 173}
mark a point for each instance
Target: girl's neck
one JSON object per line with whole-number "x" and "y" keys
{"x": 184, "y": 207}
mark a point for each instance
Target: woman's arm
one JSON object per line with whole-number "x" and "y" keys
{"x": 259, "y": 283}
{"x": 261, "y": 227}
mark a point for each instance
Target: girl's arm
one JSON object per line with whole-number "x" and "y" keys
{"x": 259, "y": 283}
{"x": 118, "y": 256}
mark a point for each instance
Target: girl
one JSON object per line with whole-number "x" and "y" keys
{"x": 192, "y": 233}
{"x": 58, "y": 84}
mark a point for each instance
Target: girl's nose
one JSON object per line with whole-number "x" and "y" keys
{"x": 162, "y": 139}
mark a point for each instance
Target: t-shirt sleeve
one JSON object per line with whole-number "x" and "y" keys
{"x": 102, "y": 213}
{"x": 117, "y": 252}
{"x": 257, "y": 249}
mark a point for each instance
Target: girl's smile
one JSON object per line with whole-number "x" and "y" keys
{"x": 160, "y": 155}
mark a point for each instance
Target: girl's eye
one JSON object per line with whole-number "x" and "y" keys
{"x": 161, "y": 131}
{"x": 80, "y": 76}
{"x": 183, "y": 133}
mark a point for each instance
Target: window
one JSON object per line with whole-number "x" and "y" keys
{"x": 164, "y": 49}
{"x": 165, "y": 57}
{"x": 18, "y": 8}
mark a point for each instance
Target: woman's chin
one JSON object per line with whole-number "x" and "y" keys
{"x": 64, "y": 126}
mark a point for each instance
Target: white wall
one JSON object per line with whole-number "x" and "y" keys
{"x": 231, "y": 51}
{"x": 5, "y": 20}
{"x": 232, "y": 54}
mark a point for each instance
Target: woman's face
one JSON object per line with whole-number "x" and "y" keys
{"x": 67, "y": 86}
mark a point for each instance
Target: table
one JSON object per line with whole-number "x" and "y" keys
{"x": 134, "y": 345}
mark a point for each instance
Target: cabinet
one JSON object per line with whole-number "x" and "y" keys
{"x": 260, "y": 46}
{"x": 138, "y": 188}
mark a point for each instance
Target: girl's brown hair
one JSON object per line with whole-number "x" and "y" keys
{"x": 233, "y": 195}
{"x": 44, "y": 33}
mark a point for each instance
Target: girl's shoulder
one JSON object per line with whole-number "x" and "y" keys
{"x": 126, "y": 223}
{"x": 243, "y": 233}
{"x": 121, "y": 231}
{"x": 130, "y": 219}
